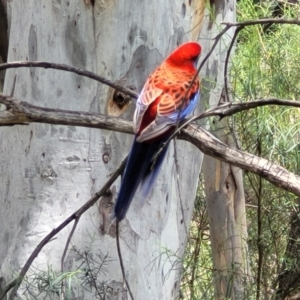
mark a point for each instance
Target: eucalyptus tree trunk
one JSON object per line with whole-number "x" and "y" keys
{"x": 48, "y": 171}
{"x": 224, "y": 183}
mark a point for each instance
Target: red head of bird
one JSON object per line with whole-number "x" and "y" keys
{"x": 185, "y": 56}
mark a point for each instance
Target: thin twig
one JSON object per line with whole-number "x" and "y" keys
{"x": 121, "y": 260}
{"x": 226, "y": 63}
{"x": 217, "y": 39}
{"x": 263, "y": 21}
{"x": 17, "y": 282}
{"x": 65, "y": 251}
{"x": 68, "y": 243}
{"x": 177, "y": 178}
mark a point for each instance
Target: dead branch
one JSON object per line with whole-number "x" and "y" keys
{"x": 22, "y": 112}
{"x": 268, "y": 170}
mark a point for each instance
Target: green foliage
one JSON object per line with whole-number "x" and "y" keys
{"x": 266, "y": 64}
{"x": 47, "y": 283}
{"x": 197, "y": 264}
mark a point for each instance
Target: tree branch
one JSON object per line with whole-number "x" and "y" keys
{"x": 63, "y": 67}
{"x": 229, "y": 109}
{"x": 211, "y": 146}
{"x": 20, "y": 112}
{"x": 262, "y": 21}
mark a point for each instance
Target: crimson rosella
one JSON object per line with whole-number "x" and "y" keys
{"x": 165, "y": 100}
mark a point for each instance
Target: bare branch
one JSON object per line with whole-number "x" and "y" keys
{"x": 211, "y": 146}
{"x": 63, "y": 67}
{"x": 68, "y": 243}
{"x": 262, "y": 21}
{"x": 229, "y": 109}
{"x": 20, "y": 112}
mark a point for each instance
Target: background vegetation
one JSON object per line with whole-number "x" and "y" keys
{"x": 266, "y": 64}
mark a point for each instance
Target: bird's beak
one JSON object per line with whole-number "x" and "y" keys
{"x": 196, "y": 62}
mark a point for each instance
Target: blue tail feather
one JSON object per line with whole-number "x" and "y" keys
{"x": 139, "y": 169}
{"x": 153, "y": 170}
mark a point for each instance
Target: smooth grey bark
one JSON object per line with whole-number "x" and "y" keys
{"x": 224, "y": 183}
{"x": 48, "y": 171}
{"x": 228, "y": 228}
